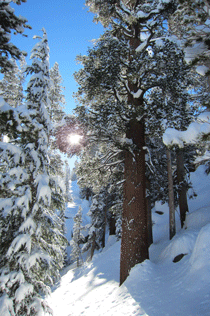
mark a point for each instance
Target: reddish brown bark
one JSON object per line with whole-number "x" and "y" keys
{"x": 134, "y": 244}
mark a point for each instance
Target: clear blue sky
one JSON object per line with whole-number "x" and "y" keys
{"x": 70, "y": 29}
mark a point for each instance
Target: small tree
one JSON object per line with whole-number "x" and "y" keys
{"x": 77, "y": 237}
{"x": 68, "y": 197}
{"x": 11, "y": 86}
{"x": 56, "y": 97}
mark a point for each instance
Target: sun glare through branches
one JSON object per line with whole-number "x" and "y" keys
{"x": 70, "y": 137}
{"x": 74, "y": 139}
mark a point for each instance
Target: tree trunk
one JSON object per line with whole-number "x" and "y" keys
{"x": 77, "y": 262}
{"x": 183, "y": 205}
{"x": 104, "y": 225}
{"x": 112, "y": 225}
{"x": 134, "y": 244}
{"x": 93, "y": 246}
{"x": 172, "y": 226}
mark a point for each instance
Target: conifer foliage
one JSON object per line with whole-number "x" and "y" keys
{"x": 32, "y": 246}
{"x": 77, "y": 237}
{"x": 11, "y": 86}
{"x": 134, "y": 58}
{"x": 9, "y": 22}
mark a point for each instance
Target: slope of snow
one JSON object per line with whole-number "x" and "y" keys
{"x": 156, "y": 287}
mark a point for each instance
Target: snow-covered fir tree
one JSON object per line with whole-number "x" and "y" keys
{"x": 56, "y": 97}
{"x": 68, "y": 197}
{"x": 77, "y": 237}
{"x": 10, "y": 23}
{"x": 32, "y": 245}
{"x": 43, "y": 127}
{"x": 56, "y": 164}
{"x": 11, "y": 86}
{"x": 98, "y": 215}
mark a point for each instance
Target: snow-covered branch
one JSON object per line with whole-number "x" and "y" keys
{"x": 192, "y": 135}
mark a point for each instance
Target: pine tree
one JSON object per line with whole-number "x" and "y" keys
{"x": 31, "y": 239}
{"x": 15, "y": 243}
{"x": 9, "y": 23}
{"x": 11, "y": 86}
{"x": 40, "y": 126}
{"x": 77, "y": 237}
{"x": 190, "y": 23}
{"x": 182, "y": 113}
{"x": 56, "y": 164}
{"x": 118, "y": 74}
{"x": 56, "y": 97}
{"x": 68, "y": 197}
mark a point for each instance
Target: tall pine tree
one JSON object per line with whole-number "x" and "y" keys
{"x": 117, "y": 77}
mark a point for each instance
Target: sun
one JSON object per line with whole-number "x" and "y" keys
{"x": 74, "y": 139}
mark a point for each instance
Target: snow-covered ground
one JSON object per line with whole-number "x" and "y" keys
{"x": 157, "y": 287}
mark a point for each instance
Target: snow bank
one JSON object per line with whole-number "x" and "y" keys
{"x": 198, "y": 218}
{"x": 200, "y": 257}
{"x": 180, "y": 244}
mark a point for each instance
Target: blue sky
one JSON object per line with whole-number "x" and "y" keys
{"x": 70, "y": 29}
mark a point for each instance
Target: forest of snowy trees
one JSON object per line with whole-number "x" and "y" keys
{"x": 142, "y": 125}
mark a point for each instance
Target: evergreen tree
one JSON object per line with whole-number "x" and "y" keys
{"x": 56, "y": 165}
{"x": 190, "y": 23}
{"x": 68, "y": 197}
{"x": 77, "y": 237}
{"x": 9, "y": 23}
{"x": 38, "y": 90}
{"x": 96, "y": 230}
{"x": 31, "y": 239}
{"x": 118, "y": 74}
{"x": 56, "y": 97}
{"x": 11, "y": 86}
{"x": 15, "y": 243}
{"x": 100, "y": 170}
{"x": 183, "y": 108}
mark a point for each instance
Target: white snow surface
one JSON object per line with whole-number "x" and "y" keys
{"x": 156, "y": 287}
{"x": 202, "y": 70}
